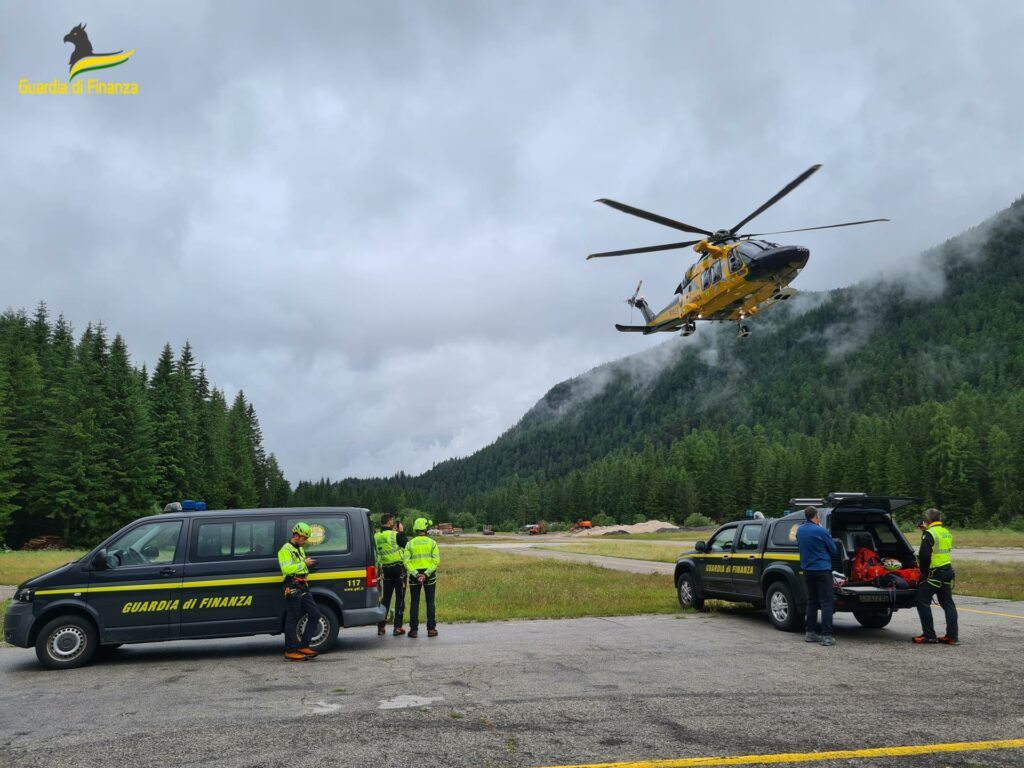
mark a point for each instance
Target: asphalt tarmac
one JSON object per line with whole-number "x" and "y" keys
{"x": 531, "y": 693}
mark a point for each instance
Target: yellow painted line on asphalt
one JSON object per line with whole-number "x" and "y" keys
{"x": 991, "y": 613}
{"x": 812, "y": 757}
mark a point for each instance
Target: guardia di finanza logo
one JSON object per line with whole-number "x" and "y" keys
{"x": 84, "y": 59}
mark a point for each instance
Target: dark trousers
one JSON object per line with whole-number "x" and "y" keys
{"x": 430, "y": 587}
{"x": 393, "y": 580}
{"x": 820, "y": 595}
{"x": 940, "y": 583}
{"x": 299, "y": 602}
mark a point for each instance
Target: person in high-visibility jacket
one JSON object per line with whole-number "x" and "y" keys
{"x": 937, "y": 576}
{"x": 390, "y": 543}
{"x": 422, "y": 557}
{"x": 295, "y": 567}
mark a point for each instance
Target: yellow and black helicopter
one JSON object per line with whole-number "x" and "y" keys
{"x": 736, "y": 276}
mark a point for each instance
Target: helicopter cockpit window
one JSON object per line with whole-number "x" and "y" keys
{"x": 716, "y": 271}
{"x": 735, "y": 262}
{"x": 706, "y": 279}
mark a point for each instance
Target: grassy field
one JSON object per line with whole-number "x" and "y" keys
{"x": 996, "y": 537}
{"x": 1002, "y": 580}
{"x": 16, "y": 567}
{"x": 483, "y": 585}
{"x": 633, "y": 550}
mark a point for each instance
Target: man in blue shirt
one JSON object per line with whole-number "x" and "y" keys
{"x": 816, "y": 550}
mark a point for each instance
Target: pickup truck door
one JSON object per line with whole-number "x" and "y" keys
{"x": 717, "y": 560}
{"x": 747, "y": 561}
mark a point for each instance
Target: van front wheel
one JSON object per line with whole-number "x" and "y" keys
{"x": 687, "y": 593}
{"x": 325, "y": 634}
{"x": 66, "y": 642}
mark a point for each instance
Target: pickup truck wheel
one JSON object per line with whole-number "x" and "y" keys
{"x": 325, "y": 634}
{"x": 873, "y": 619}
{"x": 687, "y": 593}
{"x": 66, "y": 642}
{"x": 782, "y": 608}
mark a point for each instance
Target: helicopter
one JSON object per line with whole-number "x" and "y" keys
{"x": 736, "y": 276}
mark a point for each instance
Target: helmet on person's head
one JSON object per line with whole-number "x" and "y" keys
{"x": 891, "y": 564}
{"x": 302, "y": 529}
{"x": 421, "y": 524}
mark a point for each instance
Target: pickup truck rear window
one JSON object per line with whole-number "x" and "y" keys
{"x": 784, "y": 535}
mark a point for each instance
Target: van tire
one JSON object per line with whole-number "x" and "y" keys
{"x": 686, "y": 591}
{"x": 326, "y": 635}
{"x": 782, "y": 610}
{"x": 873, "y": 619}
{"x": 66, "y": 642}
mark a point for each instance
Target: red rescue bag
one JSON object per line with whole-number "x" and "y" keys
{"x": 866, "y": 566}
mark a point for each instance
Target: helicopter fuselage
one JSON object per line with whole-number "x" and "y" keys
{"x": 732, "y": 280}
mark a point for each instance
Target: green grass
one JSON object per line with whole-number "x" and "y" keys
{"x": 632, "y": 550}
{"x": 16, "y": 567}
{"x": 696, "y": 534}
{"x": 985, "y": 579}
{"x": 487, "y": 585}
{"x": 995, "y": 537}
{"x": 3, "y": 613}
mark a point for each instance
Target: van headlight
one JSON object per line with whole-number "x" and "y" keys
{"x": 23, "y": 595}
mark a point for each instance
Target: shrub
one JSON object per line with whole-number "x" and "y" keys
{"x": 697, "y": 520}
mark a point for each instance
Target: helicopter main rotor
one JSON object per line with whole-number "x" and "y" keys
{"x": 721, "y": 235}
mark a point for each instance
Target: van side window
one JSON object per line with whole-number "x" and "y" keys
{"x": 330, "y": 534}
{"x": 231, "y": 539}
{"x": 784, "y": 535}
{"x": 149, "y": 544}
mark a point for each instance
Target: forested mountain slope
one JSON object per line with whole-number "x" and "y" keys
{"x": 904, "y": 384}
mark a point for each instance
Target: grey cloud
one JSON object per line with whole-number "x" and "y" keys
{"x": 373, "y": 217}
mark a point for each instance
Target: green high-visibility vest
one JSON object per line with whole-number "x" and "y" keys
{"x": 292, "y": 560}
{"x": 422, "y": 554}
{"x": 387, "y": 547}
{"x": 942, "y": 545}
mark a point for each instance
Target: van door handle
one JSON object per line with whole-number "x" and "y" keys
{"x": 167, "y": 572}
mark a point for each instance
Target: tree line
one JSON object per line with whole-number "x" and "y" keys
{"x": 89, "y": 442}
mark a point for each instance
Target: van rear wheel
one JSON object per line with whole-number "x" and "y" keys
{"x": 782, "y": 610}
{"x": 325, "y": 634}
{"x": 873, "y": 619}
{"x": 66, "y": 642}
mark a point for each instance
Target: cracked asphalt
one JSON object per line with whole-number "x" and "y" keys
{"x": 529, "y": 693}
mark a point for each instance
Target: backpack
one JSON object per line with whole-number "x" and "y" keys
{"x": 866, "y": 566}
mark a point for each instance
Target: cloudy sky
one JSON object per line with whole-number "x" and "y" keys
{"x": 373, "y": 217}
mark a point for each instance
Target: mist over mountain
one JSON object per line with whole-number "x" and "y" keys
{"x": 919, "y": 369}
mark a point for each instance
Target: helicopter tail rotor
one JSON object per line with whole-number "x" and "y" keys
{"x": 636, "y": 298}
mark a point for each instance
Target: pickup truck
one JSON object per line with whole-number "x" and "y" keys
{"x": 757, "y": 561}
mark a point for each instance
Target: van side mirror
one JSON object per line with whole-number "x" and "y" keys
{"x": 99, "y": 560}
{"x": 701, "y": 546}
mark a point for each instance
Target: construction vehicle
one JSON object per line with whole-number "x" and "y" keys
{"x": 581, "y": 525}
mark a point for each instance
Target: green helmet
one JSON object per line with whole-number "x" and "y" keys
{"x": 892, "y": 564}
{"x": 421, "y": 524}
{"x": 302, "y": 529}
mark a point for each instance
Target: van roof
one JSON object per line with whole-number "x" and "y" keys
{"x": 297, "y": 511}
